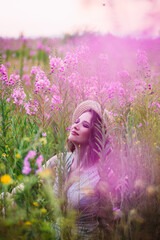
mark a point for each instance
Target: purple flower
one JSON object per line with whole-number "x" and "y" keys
{"x": 39, "y": 161}
{"x": 31, "y": 107}
{"x": 26, "y": 164}
{"x": 56, "y": 63}
{"x": 14, "y": 79}
{"x": 3, "y": 73}
{"x": 26, "y": 79}
{"x": 32, "y": 53}
{"x": 18, "y": 95}
{"x": 56, "y": 100}
{"x": 42, "y": 82}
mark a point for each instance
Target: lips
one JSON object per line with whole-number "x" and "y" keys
{"x": 74, "y": 133}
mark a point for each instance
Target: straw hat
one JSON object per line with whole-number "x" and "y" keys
{"x": 84, "y": 106}
{"x": 90, "y": 104}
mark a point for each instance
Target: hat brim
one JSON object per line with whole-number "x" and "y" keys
{"x": 84, "y": 106}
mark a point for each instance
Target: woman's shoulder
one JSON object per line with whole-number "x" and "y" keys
{"x": 53, "y": 161}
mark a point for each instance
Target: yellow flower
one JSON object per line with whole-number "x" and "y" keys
{"x": 20, "y": 177}
{"x": 6, "y": 146}
{"x": 6, "y": 179}
{"x": 28, "y": 223}
{"x": 45, "y": 173}
{"x": 155, "y": 144}
{"x": 137, "y": 142}
{"x": 3, "y": 155}
{"x": 35, "y": 204}
{"x": 43, "y": 210}
{"x": 18, "y": 155}
{"x": 43, "y": 140}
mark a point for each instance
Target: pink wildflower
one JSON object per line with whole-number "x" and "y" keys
{"x": 47, "y": 49}
{"x": 31, "y": 107}
{"x": 26, "y": 164}
{"x": 158, "y": 105}
{"x": 42, "y": 82}
{"x": 32, "y": 53}
{"x": 18, "y": 95}
{"x": 56, "y": 63}
{"x": 39, "y": 161}
{"x": 8, "y": 64}
{"x": 40, "y": 46}
{"x": 3, "y": 73}
{"x": 44, "y": 134}
{"x": 26, "y": 79}
{"x": 8, "y": 100}
{"x": 34, "y": 70}
{"x": 14, "y": 79}
{"x": 56, "y": 100}
{"x": 140, "y": 125}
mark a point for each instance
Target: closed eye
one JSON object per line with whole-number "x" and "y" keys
{"x": 86, "y": 125}
{"x": 77, "y": 121}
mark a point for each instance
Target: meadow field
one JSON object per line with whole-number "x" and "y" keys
{"x": 41, "y": 82}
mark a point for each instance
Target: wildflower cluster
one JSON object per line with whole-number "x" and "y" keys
{"x": 26, "y": 164}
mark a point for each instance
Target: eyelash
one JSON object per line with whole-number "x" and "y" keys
{"x": 84, "y": 124}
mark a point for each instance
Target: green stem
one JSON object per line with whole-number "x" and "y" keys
{"x": 3, "y": 118}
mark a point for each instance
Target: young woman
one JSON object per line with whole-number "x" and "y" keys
{"x": 84, "y": 185}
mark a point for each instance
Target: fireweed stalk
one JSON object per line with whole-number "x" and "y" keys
{"x": 26, "y": 164}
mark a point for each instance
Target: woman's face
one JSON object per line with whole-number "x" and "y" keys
{"x": 80, "y": 130}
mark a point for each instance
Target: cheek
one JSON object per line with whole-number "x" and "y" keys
{"x": 86, "y": 135}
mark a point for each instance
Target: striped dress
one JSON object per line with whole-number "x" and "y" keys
{"x": 81, "y": 195}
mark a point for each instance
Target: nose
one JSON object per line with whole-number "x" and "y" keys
{"x": 76, "y": 126}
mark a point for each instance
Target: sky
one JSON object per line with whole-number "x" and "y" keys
{"x": 37, "y": 18}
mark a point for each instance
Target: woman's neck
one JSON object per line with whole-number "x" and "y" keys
{"x": 80, "y": 156}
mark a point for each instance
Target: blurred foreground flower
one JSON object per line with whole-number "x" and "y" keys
{"x": 26, "y": 167}
{"x": 117, "y": 213}
{"x": 6, "y": 179}
{"x": 43, "y": 140}
{"x": 151, "y": 190}
{"x": 18, "y": 155}
{"x": 43, "y": 210}
{"x": 35, "y": 204}
{"x": 28, "y": 223}
{"x": 45, "y": 173}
